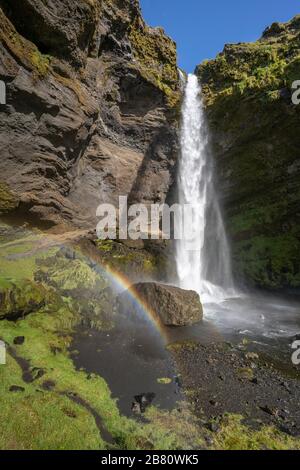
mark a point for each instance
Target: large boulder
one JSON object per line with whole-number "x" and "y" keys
{"x": 174, "y": 306}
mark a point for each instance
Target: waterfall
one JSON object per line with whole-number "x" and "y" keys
{"x": 203, "y": 264}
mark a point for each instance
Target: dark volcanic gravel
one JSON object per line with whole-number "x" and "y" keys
{"x": 221, "y": 378}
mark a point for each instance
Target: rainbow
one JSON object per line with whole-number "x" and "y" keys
{"x": 150, "y": 314}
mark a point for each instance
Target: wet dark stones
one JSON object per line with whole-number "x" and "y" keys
{"x": 19, "y": 340}
{"x": 142, "y": 402}
{"x": 16, "y": 388}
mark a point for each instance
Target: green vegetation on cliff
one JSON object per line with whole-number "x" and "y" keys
{"x": 254, "y": 129}
{"x": 157, "y": 58}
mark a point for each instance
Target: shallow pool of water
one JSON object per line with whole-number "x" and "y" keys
{"x": 133, "y": 357}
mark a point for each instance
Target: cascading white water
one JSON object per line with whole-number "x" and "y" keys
{"x": 205, "y": 268}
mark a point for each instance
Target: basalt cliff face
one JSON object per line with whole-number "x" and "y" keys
{"x": 256, "y": 142}
{"x": 92, "y": 107}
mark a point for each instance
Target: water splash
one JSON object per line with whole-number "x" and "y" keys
{"x": 204, "y": 266}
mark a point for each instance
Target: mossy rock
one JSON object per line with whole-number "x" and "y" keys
{"x": 23, "y": 50}
{"x": 19, "y": 300}
{"x": 130, "y": 261}
{"x": 157, "y": 59}
{"x": 255, "y": 140}
{"x": 8, "y": 200}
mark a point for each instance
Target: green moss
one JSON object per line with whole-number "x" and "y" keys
{"x": 164, "y": 381}
{"x": 234, "y": 435}
{"x": 130, "y": 261}
{"x": 8, "y": 200}
{"x": 270, "y": 262}
{"x": 25, "y": 51}
{"x": 252, "y": 68}
{"x": 245, "y": 373}
{"x": 41, "y": 63}
{"x": 19, "y": 300}
{"x": 31, "y": 416}
{"x": 157, "y": 59}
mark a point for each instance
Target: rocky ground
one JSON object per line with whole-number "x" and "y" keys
{"x": 222, "y": 378}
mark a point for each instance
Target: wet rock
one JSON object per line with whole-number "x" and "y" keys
{"x": 48, "y": 385}
{"x": 19, "y": 340}
{"x": 173, "y": 306}
{"x": 142, "y": 402}
{"x": 286, "y": 386}
{"x": 37, "y": 373}
{"x": 269, "y": 410}
{"x": 178, "y": 381}
{"x": 213, "y": 403}
{"x": 136, "y": 408}
{"x": 16, "y": 388}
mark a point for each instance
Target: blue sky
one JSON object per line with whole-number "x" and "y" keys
{"x": 202, "y": 27}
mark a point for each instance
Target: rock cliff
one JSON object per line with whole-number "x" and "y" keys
{"x": 92, "y": 106}
{"x": 255, "y": 138}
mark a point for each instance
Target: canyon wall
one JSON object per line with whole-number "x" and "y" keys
{"x": 255, "y": 133}
{"x": 92, "y": 108}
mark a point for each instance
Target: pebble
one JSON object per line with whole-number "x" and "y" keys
{"x": 19, "y": 340}
{"x": 16, "y": 388}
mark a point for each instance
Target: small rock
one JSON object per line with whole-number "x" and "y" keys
{"x": 144, "y": 400}
{"x": 136, "y": 408}
{"x": 37, "y": 373}
{"x": 255, "y": 381}
{"x": 213, "y": 403}
{"x": 48, "y": 385}
{"x": 178, "y": 381}
{"x": 55, "y": 350}
{"x": 270, "y": 411}
{"x": 16, "y": 388}
{"x": 252, "y": 356}
{"x": 70, "y": 413}
{"x": 286, "y": 386}
{"x": 209, "y": 440}
{"x": 19, "y": 340}
{"x": 213, "y": 427}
